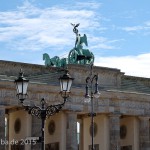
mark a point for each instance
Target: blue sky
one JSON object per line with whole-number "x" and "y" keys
{"x": 118, "y": 31}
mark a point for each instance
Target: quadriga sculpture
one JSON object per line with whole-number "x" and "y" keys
{"x": 78, "y": 55}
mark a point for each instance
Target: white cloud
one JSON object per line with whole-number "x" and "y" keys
{"x": 143, "y": 27}
{"x": 102, "y": 46}
{"x": 147, "y": 23}
{"x": 134, "y": 28}
{"x": 90, "y": 5}
{"x": 102, "y": 43}
{"x": 33, "y": 28}
{"x": 132, "y": 65}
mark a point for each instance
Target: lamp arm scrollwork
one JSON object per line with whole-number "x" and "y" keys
{"x": 87, "y": 80}
{"x": 33, "y": 110}
{"x": 53, "y": 109}
{"x": 95, "y": 77}
{"x": 44, "y": 112}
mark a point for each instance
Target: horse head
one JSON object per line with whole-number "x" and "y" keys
{"x": 47, "y": 59}
{"x": 45, "y": 56}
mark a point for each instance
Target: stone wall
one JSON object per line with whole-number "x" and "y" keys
{"x": 114, "y": 102}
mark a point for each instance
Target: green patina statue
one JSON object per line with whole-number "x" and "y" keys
{"x": 77, "y": 55}
{"x": 55, "y": 61}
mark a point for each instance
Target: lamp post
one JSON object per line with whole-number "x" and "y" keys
{"x": 43, "y": 111}
{"x": 92, "y": 92}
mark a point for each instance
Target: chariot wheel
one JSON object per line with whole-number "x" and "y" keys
{"x": 72, "y": 57}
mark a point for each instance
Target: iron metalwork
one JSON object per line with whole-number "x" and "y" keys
{"x": 43, "y": 111}
{"x": 92, "y": 92}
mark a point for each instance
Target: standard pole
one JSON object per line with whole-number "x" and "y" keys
{"x": 92, "y": 121}
{"x": 43, "y": 118}
{"x": 42, "y": 138}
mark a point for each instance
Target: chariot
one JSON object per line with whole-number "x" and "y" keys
{"x": 78, "y": 55}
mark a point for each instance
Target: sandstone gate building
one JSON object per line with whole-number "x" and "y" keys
{"x": 123, "y": 110}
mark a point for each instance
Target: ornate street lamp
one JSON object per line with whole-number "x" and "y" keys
{"x": 43, "y": 111}
{"x": 21, "y": 86}
{"x": 92, "y": 92}
{"x": 65, "y": 84}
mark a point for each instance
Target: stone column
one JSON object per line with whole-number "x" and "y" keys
{"x": 114, "y": 128}
{"x": 36, "y": 132}
{"x": 144, "y": 133}
{"x": 3, "y": 143}
{"x": 71, "y": 136}
{"x": 81, "y": 135}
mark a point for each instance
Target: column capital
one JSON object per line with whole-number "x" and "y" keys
{"x": 143, "y": 118}
{"x": 71, "y": 112}
{"x": 115, "y": 114}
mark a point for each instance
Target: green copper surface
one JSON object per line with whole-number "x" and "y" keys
{"x": 77, "y": 55}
